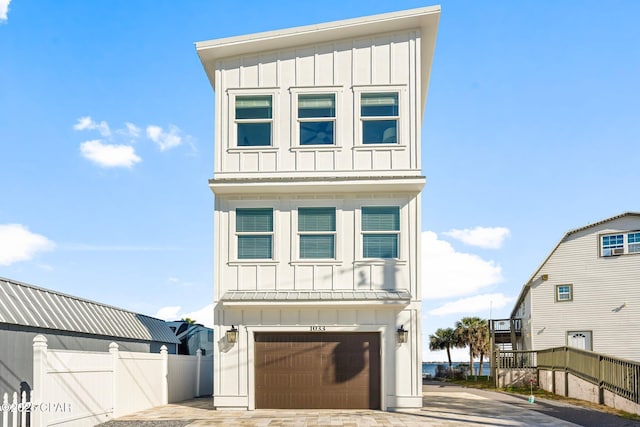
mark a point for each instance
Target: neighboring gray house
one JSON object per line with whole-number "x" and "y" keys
{"x": 586, "y": 293}
{"x": 193, "y": 337}
{"x": 68, "y": 323}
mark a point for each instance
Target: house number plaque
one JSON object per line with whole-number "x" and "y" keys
{"x": 317, "y": 328}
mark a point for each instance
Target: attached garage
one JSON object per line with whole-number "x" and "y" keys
{"x": 317, "y": 370}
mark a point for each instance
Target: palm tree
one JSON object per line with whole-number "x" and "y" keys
{"x": 482, "y": 342}
{"x": 444, "y": 339}
{"x": 467, "y": 331}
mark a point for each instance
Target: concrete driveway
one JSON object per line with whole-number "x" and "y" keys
{"x": 443, "y": 405}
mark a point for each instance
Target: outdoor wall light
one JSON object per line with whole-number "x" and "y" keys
{"x": 232, "y": 335}
{"x": 402, "y": 334}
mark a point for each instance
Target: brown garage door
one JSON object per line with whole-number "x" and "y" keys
{"x": 317, "y": 370}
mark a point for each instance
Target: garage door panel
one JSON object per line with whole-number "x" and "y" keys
{"x": 330, "y": 371}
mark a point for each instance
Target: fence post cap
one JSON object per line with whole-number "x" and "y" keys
{"x": 40, "y": 340}
{"x": 163, "y": 349}
{"x": 113, "y": 347}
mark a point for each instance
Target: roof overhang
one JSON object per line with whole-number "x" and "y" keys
{"x": 317, "y": 185}
{"x": 371, "y": 298}
{"x": 424, "y": 19}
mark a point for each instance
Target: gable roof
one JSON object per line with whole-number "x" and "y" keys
{"x": 28, "y": 305}
{"x": 564, "y": 237}
{"x": 425, "y": 19}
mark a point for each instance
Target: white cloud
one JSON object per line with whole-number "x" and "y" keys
{"x": 132, "y": 130}
{"x": 475, "y": 304}
{"x": 168, "y": 313}
{"x": 87, "y": 123}
{"x": 109, "y": 155}
{"x": 203, "y": 316}
{"x": 448, "y": 273}
{"x": 4, "y": 10}
{"x": 17, "y": 243}
{"x": 484, "y": 237}
{"x": 164, "y": 140}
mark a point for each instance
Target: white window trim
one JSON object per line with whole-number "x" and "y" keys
{"x": 360, "y": 259}
{"x": 625, "y": 244}
{"x": 295, "y": 234}
{"x": 557, "y": 291}
{"x": 403, "y": 116}
{"x": 233, "y": 248}
{"x": 338, "y": 91}
{"x": 233, "y": 128}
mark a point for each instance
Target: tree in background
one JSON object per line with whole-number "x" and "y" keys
{"x": 482, "y": 342}
{"x": 469, "y": 333}
{"x": 444, "y": 339}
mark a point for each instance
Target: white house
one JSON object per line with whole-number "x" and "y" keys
{"x": 317, "y": 183}
{"x": 586, "y": 293}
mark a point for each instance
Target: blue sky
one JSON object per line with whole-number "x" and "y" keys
{"x": 531, "y": 129}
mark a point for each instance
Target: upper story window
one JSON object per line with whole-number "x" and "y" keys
{"x": 379, "y": 115}
{"x": 254, "y": 230}
{"x": 317, "y": 117}
{"x": 620, "y": 243}
{"x": 317, "y": 233}
{"x": 380, "y": 231}
{"x": 564, "y": 293}
{"x": 254, "y": 120}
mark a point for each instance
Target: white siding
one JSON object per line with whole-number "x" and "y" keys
{"x": 349, "y": 271}
{"x": 605, "y": 293}
{"x": 381, "y": 61}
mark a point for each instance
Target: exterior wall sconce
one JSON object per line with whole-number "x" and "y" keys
{"x": 402, "y": 334}
{"x": 232, "y": 335}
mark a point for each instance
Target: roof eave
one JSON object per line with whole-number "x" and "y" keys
{"x": 426, "y": 19}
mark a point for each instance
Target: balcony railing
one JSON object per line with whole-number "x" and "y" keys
{"x": 505, "y": 326}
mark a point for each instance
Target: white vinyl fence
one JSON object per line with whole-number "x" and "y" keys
{"x": 81, "y": 388}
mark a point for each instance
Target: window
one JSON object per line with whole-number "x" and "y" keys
{"x": 380, "y": 231}
{"x": 254, "y": 229}
{"x": 379, "y": 115}
{"x": 253, "y": 120}
{"x": 564, "y": 293}
{"x": 316, "y": 117}
{"x": 634, "y": 242}
{"x": 317, "y": 229}
{"x": 620, "y": 244}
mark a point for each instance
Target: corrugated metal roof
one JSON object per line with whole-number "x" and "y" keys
{"x": 378, "y": 295}
{"x": 28, "y": 305}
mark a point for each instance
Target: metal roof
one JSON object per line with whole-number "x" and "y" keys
{"x": 379, "y": 296}
{"x": 28, "y": 305}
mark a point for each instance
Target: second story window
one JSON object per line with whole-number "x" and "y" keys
{"x": 379, "y": 116}
{"x": 254, "y": 119}
{"x": 317, "y": 233}
{"x": 316, "y": 117}
{"x": 620, "y": 244}
{"x": 254, "y": 230}
{"x": 380, "y": 231}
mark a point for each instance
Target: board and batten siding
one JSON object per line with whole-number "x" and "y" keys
{"x": 606, "y": 293}
{"x": 336, "y": 319}
{"x": 349, "y": 271}
{"x": 386, "y": 62}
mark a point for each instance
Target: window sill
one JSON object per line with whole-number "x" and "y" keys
{"x": 269, "y": 148}
{"x": 371, "y": 147}
{"x": 316, "y": 262}
{"x": 252, "y": 262}
{"x": 380, "y": 261}
{"x": 316, "y": 148}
